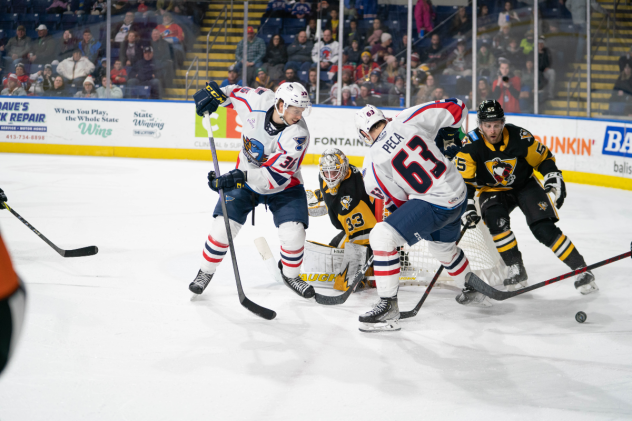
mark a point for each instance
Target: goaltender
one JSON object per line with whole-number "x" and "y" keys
{"x": 498, "y": 160}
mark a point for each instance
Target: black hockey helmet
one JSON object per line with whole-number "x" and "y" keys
{"x": 490, "y": 110}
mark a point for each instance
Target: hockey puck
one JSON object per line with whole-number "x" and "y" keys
{"x": 580, "y": 317}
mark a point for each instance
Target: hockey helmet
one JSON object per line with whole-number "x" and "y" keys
{"x": 490, "y": 110}
{"x": 333, "y": 166}
{"x": 366, "y": 118}
{"x": 292, "y": 94}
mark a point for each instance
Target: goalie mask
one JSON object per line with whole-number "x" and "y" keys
{"x": 334, "y": 167}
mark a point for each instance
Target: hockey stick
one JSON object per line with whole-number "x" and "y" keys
{"x": 253, "y": 307}
{"x": 329, "y": 300}
{"x": 479, "y": 285}
{"x": 84, "y": 251}
{"x": 414, "y": 311}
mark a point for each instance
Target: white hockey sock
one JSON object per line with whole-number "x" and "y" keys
{"x": 453, "y": 259}
{"x": 216, "y": 245}
{"x": 292, "y": 239}
{"x": 384, "y": 242}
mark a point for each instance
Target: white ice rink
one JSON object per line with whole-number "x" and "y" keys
{"x": 117, "y": 336}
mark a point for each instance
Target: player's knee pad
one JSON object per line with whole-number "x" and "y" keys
{"x": 497, "y": 219}
{"x": 384, "y": 237}
{"x": 545, "y": 231}
{"x": 292, "y": 239}
{"x": 218, "y": 229}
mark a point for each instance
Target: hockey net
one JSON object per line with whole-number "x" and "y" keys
{"x": 418, "y": 267}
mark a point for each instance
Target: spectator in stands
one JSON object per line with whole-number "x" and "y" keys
{"x": 483, "y": 91}
{"x": 353, "y": 53}
{"x": 131, "y": 50}
{"x": 118, "y": 74}
{"x": 301, "y": 9}
{"x": 290, "y": 76}
{"x": 22, "y": 77}
{"x": 333, "y": 23}
{"x": 171, "y": 32}
{"x": 364, "y": 69}
{"x": 323, "y": 9}
{"x": 17, "y": 48}
{"x": 328, "y": 53}
{"x": 623, "y": 85}
{"x": 353, "y": 34}
{"x": 378, "y": 87}
{"x": 311, "y": 85}
{"x": 365, "y": 96}
{"x": 101, "y": 69}
{"x": 508, "y": 16}
{"x": 275, "y": 58}
{"x": 527, "y": 80}
{"x": 625, "y": 59}
{"x": 347, "y": 99}
{"x": 67, "y": 46}
{"x": 347, "y": 82}
{"x": 14, "y": 87}
{"x": 505, "y": 89}
{"x": 485, "y": 60}
{"x": 501, "y": 40}
{"x": 43, "y": 49}
{"x": 514, "y": 54}
{"x": 146, "y": 72}
{"x": 232, "y": 79}
{"x": 424, "y": 17}
{"x": 578, "y": 13}
{"x": 397, "y": 94}
{"x": 461, "y": 24}
{"x": 115, "y": 91}
{"x": 119, "y": 7}
{"x": 386, "y": 44}
{"x": 142, "y": 7}
{"x": 162, "y": 49}
{"x": 458, "y": 63}
{"x": 276, "y": 9}
{"x": 120, "y": 30}
{"x": 100, "y": 7}
{"x": 425, "y": 91}
{"x": 43, "y": 80}
{"x": 527, "y": 44}
{"x": 393, "y": 70}
{"x": 89, "y": 46}
{"x": 256, "y": 53}
{"x": 366, "y": 8}
{"x": 59, "y": 89}
{"x": 374, "y": 34}
{"x": 88, "y": 90}
{"x": 311, "y": 30}
{"x": 545, "y": 65}
{"x": 438, "y": 94}
{"x": 57, "y": 7}
{"x": 164, "y": 6}
{"x": 485, "y": 20}
{"x": 263, "y": 80}
{"x": 434, "y": 56}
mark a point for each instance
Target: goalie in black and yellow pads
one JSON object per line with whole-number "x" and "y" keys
{"x": 498, "y": 160}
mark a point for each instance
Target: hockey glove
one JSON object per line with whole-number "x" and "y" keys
{"x": 208, "y": 99}
{"x": 470, "y": 218}
{"x": 234, "y": 179}
{"x": 3, "y": 198}
{"x": 553, "y": 182}
{"x": 315, "y": 205}
{"x": 452, "y": 138}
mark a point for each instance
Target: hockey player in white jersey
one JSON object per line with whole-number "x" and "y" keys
{"x": 268, "y": 171}
{"x": 423, "y": 190}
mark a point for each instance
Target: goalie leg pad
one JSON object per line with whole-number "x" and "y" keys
{"x": 216, "y": 245}
{"x": 453, "y": 259}
{"x": 292, "y": 239}
{"x": 384, "y": 241}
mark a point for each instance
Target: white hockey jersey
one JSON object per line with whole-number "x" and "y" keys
{"x": 405, "y": 163}
{"x": 272, "y": 158}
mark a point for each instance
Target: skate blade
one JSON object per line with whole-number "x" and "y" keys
{"x": 389, "y": 326}
{"x": 588, "y": 288}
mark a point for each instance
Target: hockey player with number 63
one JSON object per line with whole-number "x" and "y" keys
{"x": 268, "y": 171}
{"x": 425, "y": 193}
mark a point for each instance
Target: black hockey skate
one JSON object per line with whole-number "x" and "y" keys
{"x": 299, "y": 286}
{"x": 517, "y": 277}
{"x": 585, "y": 283}
{"x": 383, "y": 317}
{"x": 200, "y": 282}
{"x": 471, "y": 297}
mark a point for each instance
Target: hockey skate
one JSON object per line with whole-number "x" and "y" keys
{"x": 585, "y": 283}
{"x": 517, "y": 278}
{"x": 383, "y": 317}
{"x": 299, "y": 286}
{"x": 200, "y": 282}
{"x": 471, "y": 297}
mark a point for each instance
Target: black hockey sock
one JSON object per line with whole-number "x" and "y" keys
{"x": 507, "y": 246}
{"x": 565, "y": 250}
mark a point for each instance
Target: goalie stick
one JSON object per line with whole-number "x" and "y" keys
{"x": 329, "y": 300}
{"x": 252, "y": 306}
{"x": 479, "y": 285}
{"x": 84, "y": 251}
{"x": 414, "y": 311}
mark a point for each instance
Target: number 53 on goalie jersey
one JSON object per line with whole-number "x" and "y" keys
{"x": 404, "y": 162}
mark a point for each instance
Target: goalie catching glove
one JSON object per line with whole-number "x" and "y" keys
{"x": 234, "y": 179}
{"x": 553, "y": 182}
{"x": 208, "y": 99}
{"x": 470, "y": 218}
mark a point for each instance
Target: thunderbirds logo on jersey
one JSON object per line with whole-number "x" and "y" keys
{"x": 346, "y": 202}
{"x": 502, "y": 170}
{"x": 254, "y": 151}
{"x": 300, "y": 142}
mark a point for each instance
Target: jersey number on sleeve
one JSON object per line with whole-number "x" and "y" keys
{"x": 414, "y": 174}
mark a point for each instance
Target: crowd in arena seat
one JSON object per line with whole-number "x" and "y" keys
{"x": 42, "y": 41}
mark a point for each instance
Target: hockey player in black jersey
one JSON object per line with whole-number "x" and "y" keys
{"x": 498, "y": 160}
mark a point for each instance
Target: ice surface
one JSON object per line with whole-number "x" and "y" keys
{"x": 118, "y": 336}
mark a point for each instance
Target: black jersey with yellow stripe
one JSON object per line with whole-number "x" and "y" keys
{"x": 350, "y": 209}
{"x": 507, "y": 165}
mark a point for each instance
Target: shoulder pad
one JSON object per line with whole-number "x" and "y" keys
{"x": 472, "y": 135}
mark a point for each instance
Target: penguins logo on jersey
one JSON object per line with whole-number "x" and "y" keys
{"x": 466, "y": 141}
{"x": 254, "y": 151}
{"x": 345, "y": 201}
{"x": 300, "y": 142}
{"x": 525, "y": 134}
{"x": 502, "y": 170}
{"x": 543, "y": 206}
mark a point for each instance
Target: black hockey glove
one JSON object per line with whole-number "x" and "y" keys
{"x": 451, "y": 151}
{"x": 234, "y": 179}
{"x": 470, "y": 218}
{"x": 208, "y": 99}
{"x": 3, "y": 198}
{"x": 452, "y": 137}
{"x": 553, "y": 182}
